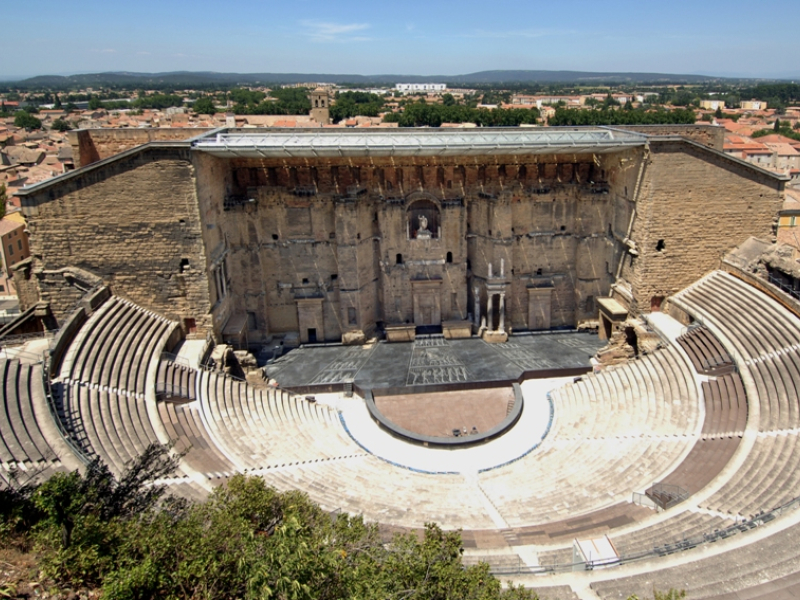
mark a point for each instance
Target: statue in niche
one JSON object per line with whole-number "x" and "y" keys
{"x": 423, "y": 233}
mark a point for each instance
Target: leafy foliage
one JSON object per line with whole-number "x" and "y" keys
{"x": 26, "y": 120}
{"x": 420, "y": 114}
{"x": 204, "y": 106}
{"x": 638, "y": 116}
{"x": 352, "y": 104}
{"x": 246, "y": 541}
{"x": 61, "y": 125}
{"x": 284, "y": 101}
{"x": 3, "y": 200}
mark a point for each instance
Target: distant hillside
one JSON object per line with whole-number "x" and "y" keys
{"x": 203, "y": 79}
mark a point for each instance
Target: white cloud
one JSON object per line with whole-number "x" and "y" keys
{"x": 518, "y": 33}
{"x": 324, "y": 31}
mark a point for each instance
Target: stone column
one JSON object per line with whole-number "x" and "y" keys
{"x": 502, "y": 328}
{"x": 476, "y": 309}
{"x": 490, "y": 312}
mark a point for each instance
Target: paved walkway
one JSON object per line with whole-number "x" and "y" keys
{"x": 526, "y": 435}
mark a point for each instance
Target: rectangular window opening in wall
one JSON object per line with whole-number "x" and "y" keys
{"x": 184, "y": 266}
{"x": 251, "y": 321}
{"x": 334, "y": 276}
{"x": 190, "y": 325}
{"x": 351, "y": 316}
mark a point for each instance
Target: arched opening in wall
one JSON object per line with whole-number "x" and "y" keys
{"x": 632, "y": 340}
{"x": 398, "y": 260}
{"x": 655, "y": 303}
{"x": 423, "y": 220}
{"x": 449, "y": 258}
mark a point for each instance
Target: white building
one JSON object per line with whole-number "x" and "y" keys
{"x": 412, "y": 88}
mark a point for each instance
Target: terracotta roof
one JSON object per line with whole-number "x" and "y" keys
{"x": 8, "y": 225}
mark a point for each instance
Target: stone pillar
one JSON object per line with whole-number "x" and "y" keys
{"x": 476, "y": 309}
{"x": 502, "y": 327}
{"x": 490, "y": 312}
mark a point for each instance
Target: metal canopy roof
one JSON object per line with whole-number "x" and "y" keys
{"x": 417, "y": 142}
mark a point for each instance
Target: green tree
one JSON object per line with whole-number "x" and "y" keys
{"x": 718, "y": 112}
{"x": 204, "y": 106}
{"x": 57, "y": 102}
{"x": 61, "y": 125}
{"x": 448, "y": 100}
{"x": 26, "y": 120}
{"x": 95, "y": 103}
{"x": 777, "y": 126}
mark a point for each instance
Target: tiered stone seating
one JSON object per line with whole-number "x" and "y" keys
{"x": 706, "y": 352}
{"x": 269, "y": 428}
{"x": 176, "y": 381}
{"x": 103, "y": 378}
{"x": 681, "y": 526}
{"x": 702, "y": 576}
{"x": 29, "y": 442}
{"x": 764, "y": 337}
{"x": 726, "y": 406}
{"x": 614, "y": 432}
{"x": 185, "y": 428}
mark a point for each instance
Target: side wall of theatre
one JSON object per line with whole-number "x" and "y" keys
{"x": 133, "y": 223}
{"x": 693, "y": 206}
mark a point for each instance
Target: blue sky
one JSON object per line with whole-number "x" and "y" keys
{"x": 729, "y": 38}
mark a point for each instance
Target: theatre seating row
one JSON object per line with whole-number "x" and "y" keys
{"x": 706, "y": 352}
{"x": 614, "y": 432}
{"x": 100, "y": 392}
{"x": 765, "y": 338}
{"x": 30, "y": 447}
{"x": 703, "y": 576}
{"x": 176, "y": 381}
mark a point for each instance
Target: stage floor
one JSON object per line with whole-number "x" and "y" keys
{"x": 434, "y": 360}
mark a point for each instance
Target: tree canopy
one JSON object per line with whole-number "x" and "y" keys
{"x": 26, "y": 120}
{"x": 204, "y": 106}
{"x": 637, "y": 116}
{"x": 127, "y": 537}
{"x": 420, "y": 114}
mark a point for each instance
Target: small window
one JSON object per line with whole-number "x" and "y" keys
{"x": 449, "y": 258}
{"x": 398, "y": 260}
{"x": 190, "y": 326}
{"x": 184, "y": 265}
{"x": 251, "y": 321}
{"x": 11, "y": 249}
{"x": 351, "y": 316}
{"x": 334, "y": 276}
{"x": 538, "y": 271}
{"x": 563, "y": 228}
{"x": 274, "y": 236}
{"x": 660, "y": 245}
{"x": 19, "y": 245}
{"x": 332, "y": 235}
{"x": 305, "y": 280}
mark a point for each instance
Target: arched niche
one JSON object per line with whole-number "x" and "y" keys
{"x": 423, "y": 218}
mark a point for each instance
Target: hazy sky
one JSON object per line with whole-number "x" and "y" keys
{"x": 714, "y": 37}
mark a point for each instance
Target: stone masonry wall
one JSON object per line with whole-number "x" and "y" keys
{"x": 133, "y": 223}
{"x": 693, "y": 207}
{"x": 707, "y": 135}
{"x": 91, "y": 145}
{"x": 340, "y": 230}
